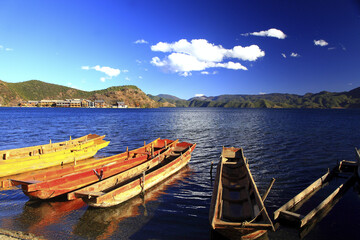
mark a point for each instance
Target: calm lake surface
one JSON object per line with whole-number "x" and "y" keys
{"x": 294, "y": 146}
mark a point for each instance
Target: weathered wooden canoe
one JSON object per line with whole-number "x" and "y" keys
{"x": 28, "y": 152}
{"x": 288, "y": 212}
{"x": 114, "y": 190}
{"x": 236, "y": 205}
{"x": 58, "y": 186}
{"x": 57, "y": 158}
{"x": 60, "y": 171}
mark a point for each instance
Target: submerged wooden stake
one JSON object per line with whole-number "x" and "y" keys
{"x": 268, "y": 189}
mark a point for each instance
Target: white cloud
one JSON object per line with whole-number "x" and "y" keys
{"x": 321, "y": 43}
{"x": 127, "y": 79}
{"x": 272, "y": 32}
{"x": 294, "y": 55}
{"x": 331, "y": 48}
{"x": 205, "y": 73}
{"x": 140, "y": 41}
{"x": 125, "y": 71}
{"x": 140, "y": 77}
{"x": 250, "y": 53}
{"x": 342, "y": 47}
{"x": 199, "y": 54}
{"x": 284, "y": 55}
{"x": 109, "y": 72}
{"x": 262, "y": 93}
{"x": 138, "y": 61}
{"x": 6, "y": 48}
{"x": 199, "y": 95}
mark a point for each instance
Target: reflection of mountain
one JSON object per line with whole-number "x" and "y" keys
{"x": 101, "y": 223}
{"x": 38, "y": 215}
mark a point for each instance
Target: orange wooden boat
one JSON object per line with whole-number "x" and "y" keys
{"x": 115, "y": 190}
{"x": 58, "y": 186}
{"x": 236, "y": 209}
{"x": 57, "y": 172}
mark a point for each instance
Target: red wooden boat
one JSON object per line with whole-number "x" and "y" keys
{"x": 115, "y": 190}
{"x": 59, "y": 171}
{"x": 58, "y": 186}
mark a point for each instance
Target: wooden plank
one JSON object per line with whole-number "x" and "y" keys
{"x": 23, "y": 182}
{"x": 81, "y": 194}
{"x": 290, "y": 216}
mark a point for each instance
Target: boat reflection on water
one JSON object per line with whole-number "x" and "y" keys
{"x": 102, "y": 223}
{"x": 37, "y": 215}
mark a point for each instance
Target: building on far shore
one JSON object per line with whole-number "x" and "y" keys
{"x": 120, "y": 105}
{"x": 71, "y": 103}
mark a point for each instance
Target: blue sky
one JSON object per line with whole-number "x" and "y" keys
{"x": 183, "y": 48}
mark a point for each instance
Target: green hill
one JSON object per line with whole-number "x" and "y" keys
{"x": 11, "y": 94}
{"x": 323, "y": 99}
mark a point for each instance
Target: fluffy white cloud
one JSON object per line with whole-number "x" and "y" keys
{"x": 199, "y": 54}
{"x": 284, "y": 55}
{"x": 140, "y": 41}
{"x": 321, "y": 43}
{"x": 250, "y": 53}
{"x": 199, "y": 95}
{"x": 205, "y": 73}
{"x": 110, "y": 72}
{"x": 294, "y": 54}
{"x": 272, "y": 32}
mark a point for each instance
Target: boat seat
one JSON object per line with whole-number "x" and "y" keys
{"x": 233, "y": 174}
{"x": 235, "y": 184}
{"x": 237, "y": 211}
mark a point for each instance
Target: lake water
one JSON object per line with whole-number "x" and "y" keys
{"x": 294, "y": 146}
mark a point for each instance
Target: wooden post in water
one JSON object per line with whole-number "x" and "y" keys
{"x": 128, "y": 154}
{"x": 268, "y": 189}
{"x": 144, "y": 143}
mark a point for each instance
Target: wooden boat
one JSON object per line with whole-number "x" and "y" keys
{"x": 81, "y": 151}
{"x": 288, "y": 212}
{"x": 115, "y": 190}
{"x": 60, "y": 171}
{"x": 236, "y": 206}
{"x": 58, "y": 186}
{"x": 32, "y": 151}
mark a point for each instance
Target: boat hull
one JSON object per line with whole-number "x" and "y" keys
{"x": 12, "y": 167}
{"x": 141, "y": 183}
{"x": 236, "y": 209}
{"x": 65, "y": 184}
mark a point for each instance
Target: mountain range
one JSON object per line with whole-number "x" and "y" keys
{"x": 11, "y": 94}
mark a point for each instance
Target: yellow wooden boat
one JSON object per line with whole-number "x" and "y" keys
{"x": 83, "y": 149}
{"x": 31, "y": 152}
